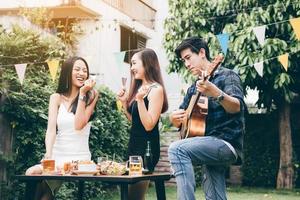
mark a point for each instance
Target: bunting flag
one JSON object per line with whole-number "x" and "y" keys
{"x": 119, "y": 56}
{"x": 284, "y": 60}
{"x": 20, "y": 69}
{"x": 259, "y": 67}
{"x": 296, "y": 26}
{"x": 119, "y": 105}
{"x": 260, "y": 31}
{"x": 123, "y": 70}
{"x": 223, "y": 39}
{"x": 53, "y": 66}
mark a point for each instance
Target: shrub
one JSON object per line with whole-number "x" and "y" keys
{"x": 261, "y": 151}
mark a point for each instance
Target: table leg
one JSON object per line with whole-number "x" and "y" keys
{"x": 124, "y": 191}
{"x": 30, "y": 189}
{"x": 160, "y": 190}
{"x": 80, "y": 190}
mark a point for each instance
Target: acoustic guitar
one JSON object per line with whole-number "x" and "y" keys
{"x": 194, "y": 125}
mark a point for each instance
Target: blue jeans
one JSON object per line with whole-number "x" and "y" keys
{"x": 209, "y": 151}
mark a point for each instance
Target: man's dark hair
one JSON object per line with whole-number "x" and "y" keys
{"x": 195, "y": 44}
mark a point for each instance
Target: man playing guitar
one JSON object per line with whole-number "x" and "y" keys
{"x": 222, "y": 142}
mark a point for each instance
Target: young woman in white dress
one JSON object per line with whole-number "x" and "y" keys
{"x": 70, "y": 110}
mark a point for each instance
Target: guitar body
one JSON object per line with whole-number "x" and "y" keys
{"x": 195, "y": 124}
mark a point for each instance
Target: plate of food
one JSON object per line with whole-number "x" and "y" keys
{"x": 85, "y": 168}
{"x": 85, "y": 173}
{"x": 112, "y": 168}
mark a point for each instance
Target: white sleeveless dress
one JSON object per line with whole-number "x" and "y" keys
{"x": 70, "y": 144}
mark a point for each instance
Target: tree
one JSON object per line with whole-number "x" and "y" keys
{"x": 277, "y": 87}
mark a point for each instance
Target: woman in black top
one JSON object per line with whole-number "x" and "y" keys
{"x": 143, "y": 104}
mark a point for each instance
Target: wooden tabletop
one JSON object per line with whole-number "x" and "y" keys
{"x": 106, "y": 178}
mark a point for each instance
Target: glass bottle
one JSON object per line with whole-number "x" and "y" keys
{"x": 148, "y": 159}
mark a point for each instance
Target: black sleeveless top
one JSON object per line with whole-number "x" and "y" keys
{"x": 139, "y": 136}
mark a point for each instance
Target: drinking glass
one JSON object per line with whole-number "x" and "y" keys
{"x": 48, "y": 166}
{"x": 102, "y": 159}
{"x": 119, "y": 103}
{"x": 124, "y": 80}
{"x": 67, "y": 167}
{"x": 135, "y": 165}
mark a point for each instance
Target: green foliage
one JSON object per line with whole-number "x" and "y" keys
{"x": 209, "y": 18}
{"x": 39, "y": 16}
{"x": 193, "y": 18}
{"x": 26, "y": 107}
{"x": 110, "y": 128}
{"x": 165, "y": 124}
{"x": 261, "y": 151}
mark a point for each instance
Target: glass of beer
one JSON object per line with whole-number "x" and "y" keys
{"x": 48, "y": 166}
{"x": 135, "y": 165}
{"x": 67, "y": 167}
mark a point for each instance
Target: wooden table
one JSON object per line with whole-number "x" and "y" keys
{"x": 123, "y": 181}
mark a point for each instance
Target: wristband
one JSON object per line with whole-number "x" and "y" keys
{"x": 220, "y": 97}
{"x": 82, "y": 98}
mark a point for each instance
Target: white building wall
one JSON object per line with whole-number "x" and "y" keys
{"x": 103, "y": 61}
{"x": 102, "y": 44}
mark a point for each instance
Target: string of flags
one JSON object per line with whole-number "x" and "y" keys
{"x": 259, "y": 32}
{"x": 21, "y": 69}
{"x": 223, "y": 39}
{"x": 260, "y": 35}
{"x": 236, "y": 11}
{"x": 283, "y": 59}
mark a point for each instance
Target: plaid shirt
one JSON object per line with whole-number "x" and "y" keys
{"x": 219, "y": 123}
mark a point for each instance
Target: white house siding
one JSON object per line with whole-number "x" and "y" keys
{"x": 103, "y": 43}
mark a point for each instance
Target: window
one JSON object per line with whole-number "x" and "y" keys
{"x": 130, "y": 41}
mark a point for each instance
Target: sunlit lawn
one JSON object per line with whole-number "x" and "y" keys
{"x": 234, "y": 193}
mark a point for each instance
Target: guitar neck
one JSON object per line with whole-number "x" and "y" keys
{"x": 211, "y": 73}
{"x": 193, "y": 101}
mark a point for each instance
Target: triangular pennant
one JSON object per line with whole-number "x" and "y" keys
{"x": 223, "y": 39}
{"x": 119, "y": 56}
{"x": 53, "y": 65}
{"x": 119, "y": 105}
{"x": 20, "y": 69}
{"x": 260, "y": 33}
{"x": 259, "y": 67}
{"x": 296, "y": 26}
{"x": 284, "y": 60}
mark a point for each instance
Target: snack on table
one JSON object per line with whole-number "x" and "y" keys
{"x": 112, "y": 168}
{"x": 86, "y": 165}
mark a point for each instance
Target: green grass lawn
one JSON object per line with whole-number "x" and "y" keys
{"x": 233, "y": 193}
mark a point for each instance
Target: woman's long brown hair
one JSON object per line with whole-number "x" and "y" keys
{"x": 152, "y": 74}
{"x": 65, "y": 80}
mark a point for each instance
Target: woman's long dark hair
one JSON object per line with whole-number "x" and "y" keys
{"x": 152, "y": 74}
{"x": 65, "y": 81}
